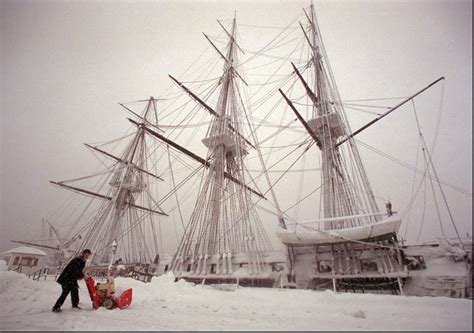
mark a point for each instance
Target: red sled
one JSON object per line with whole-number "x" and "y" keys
{"x": 110, "y": 301}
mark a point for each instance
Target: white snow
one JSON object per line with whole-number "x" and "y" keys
{"x": 26, "y": 250}
{"x": 166, "y": 305}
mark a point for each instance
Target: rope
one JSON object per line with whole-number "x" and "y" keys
{"x": 176, "y": 192}
{"x": 408, "y": 166}
{"x": 424, "y": 199}
{"x": 373, "y": 99}
{"x": 270, "y": 42}
{"x": 412, "y": 197}
{"x": 438, "y": 181}
{"x": 266, "y": 27}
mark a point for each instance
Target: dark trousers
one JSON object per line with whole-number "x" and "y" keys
{"x": 73, "y": 289}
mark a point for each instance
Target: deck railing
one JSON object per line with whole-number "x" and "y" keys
{"x": 36, "y": 275}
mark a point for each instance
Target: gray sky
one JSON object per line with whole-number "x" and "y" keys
{"x": 66, "y": 65}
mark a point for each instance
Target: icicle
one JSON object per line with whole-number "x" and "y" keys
{"x": 180, "y": 265}
{"x": 379, "y": 263}
{"x": 218, "y": 264}
{"x": 256, "y": 256}
{"x": 249, "y": 251}
{"x": 198, "y": 268}
{"x": 223, "y": 256}
{"x": 191, "y": 263}
{"x": 204, "y": 264}
{"x": 229, "y": 263}
{"x": 400, "y": 285}
{"x": 259, "y": 267}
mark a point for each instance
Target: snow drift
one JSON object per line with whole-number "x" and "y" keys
{"x": 167, "y": 305}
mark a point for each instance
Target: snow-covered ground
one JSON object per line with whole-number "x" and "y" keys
{"x": 166, "y": 305}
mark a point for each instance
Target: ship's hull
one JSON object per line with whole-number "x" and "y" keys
{"x": 436, "y": 271}
{"x": 303, "y": 236}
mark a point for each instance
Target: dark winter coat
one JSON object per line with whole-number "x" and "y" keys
{"x": 72, "y": 272}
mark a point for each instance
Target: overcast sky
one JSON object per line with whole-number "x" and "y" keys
{"x": 66, "y": 65}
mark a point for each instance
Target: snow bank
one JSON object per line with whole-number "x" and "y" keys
{"x": 11, "y": 280}
{"x": 163, "y": 304}
{"x": 3, "y": 266}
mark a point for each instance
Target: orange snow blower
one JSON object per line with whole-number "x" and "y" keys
{"x": 102, "y": 294}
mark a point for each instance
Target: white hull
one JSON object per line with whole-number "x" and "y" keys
{"x": 303, "y": 236}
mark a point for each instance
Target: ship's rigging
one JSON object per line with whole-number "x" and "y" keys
{"x": 126, "y": 211}
{"x": 294, "y": 108}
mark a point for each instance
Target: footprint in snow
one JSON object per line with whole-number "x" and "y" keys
{"x": 358, "y": 314}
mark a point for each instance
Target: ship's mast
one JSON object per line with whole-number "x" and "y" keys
{"x": 224, "y": 222}
{"x": 120, "y": 217}
{"x": 346, "y": 194}
{"x": 345, "y": 191}
{"x": 320, "y": 110}
{"x": 126, "y": 182}
{"x": 219, "y": 149}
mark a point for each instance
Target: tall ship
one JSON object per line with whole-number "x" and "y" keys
{"x": 212, "y": 162}
{"x": 117, "y": 216}
{"x": 351, "y": 241}
{"x": 348, "y": 241}
{"x": 224, "y": 240}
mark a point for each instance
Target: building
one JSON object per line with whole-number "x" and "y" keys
{"x": 24, "y": 259}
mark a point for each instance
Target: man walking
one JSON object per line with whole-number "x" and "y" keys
{"x": 68, "y": 280}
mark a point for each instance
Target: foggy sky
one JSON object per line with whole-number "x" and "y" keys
{"x": 66, "y": 65}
